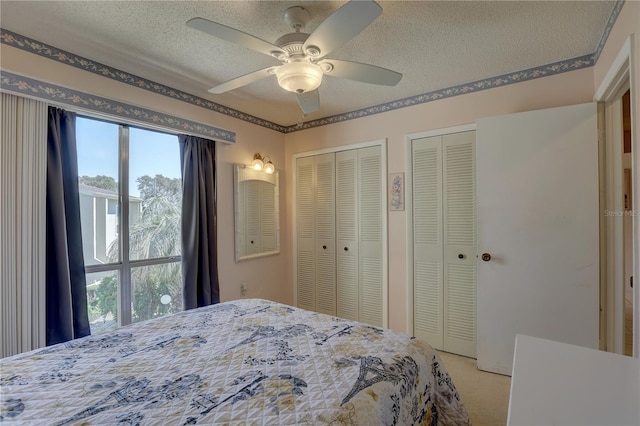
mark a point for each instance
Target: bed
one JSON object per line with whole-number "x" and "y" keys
{"x": 248, "y": 361}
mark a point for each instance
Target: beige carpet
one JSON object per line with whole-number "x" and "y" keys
{"x": 485, "y": 395}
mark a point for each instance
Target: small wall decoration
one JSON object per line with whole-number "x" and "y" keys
{"x": 396, "y": 191}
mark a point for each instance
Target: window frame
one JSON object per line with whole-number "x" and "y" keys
{"x": 125, "y": 265}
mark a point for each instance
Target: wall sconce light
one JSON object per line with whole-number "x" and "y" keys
{"x": 262, "y": 163}
{"x": 257, "y": 164}
{"x": 268, "y": 166}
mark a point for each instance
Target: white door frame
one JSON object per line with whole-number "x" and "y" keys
{"x": 620, "y": 77}
{"x": 409, "y": 205}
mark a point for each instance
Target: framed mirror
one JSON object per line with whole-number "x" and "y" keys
{"x": 256, "y": 208}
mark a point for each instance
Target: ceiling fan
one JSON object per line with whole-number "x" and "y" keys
{"x": 302, "y": 55}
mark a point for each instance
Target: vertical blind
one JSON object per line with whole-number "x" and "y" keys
{"x": 23, "y": 171}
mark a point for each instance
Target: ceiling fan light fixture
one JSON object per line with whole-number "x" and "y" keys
{"x": 299, "y": 77}
{"x": 301, "y": 54}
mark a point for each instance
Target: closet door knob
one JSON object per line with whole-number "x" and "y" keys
{"x": 346, "y": 249}
{"x": 460, "y": 256}
{"x": 486, "y": 257}
{"x": 324, "y": 247}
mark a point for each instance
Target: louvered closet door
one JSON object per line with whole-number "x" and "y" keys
{"x": 241, "y": 218}
{"x": 347, "y": 285}
{"x": 428, "y": 270}
{"x": 370, "y": 235}
{"x": 268, "y": 214}
{"x": 459, "y": 196}
{"x": 305, "y": 225}
{"x": 325, "y": 233}
{"x": 253, "y": 200}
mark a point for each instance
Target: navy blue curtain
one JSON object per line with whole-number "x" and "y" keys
{"x": 67, "y": 315}
{"x": 199, "y": 235}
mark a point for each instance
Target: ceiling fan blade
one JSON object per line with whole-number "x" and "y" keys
{"x": 309, "y": 101}
{"x": 242, "y": 80}
{"x": 342, "y": 25}
{"x": 235, "y": 36}
{"x": 363, "y": 72}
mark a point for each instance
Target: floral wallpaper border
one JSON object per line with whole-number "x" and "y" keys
{"x": 47, "y": 51}
{"x": 29, "y": 87}
{"x": 475, "y": 86}
{"x": 41, "y": 49}
{"x": 462, "y": 89}
{"x": 607, "y": 29}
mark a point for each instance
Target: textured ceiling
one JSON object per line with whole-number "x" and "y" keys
{"x": 433, "y": 44}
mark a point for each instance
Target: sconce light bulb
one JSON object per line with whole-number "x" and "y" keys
{"x": 269, "y": 167}
{"x": 257, "y": 162}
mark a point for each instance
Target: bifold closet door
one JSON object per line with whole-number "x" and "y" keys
{"x": 359, "y": 234}
{"x": 348, "y": 289}
{"x": 339, "y": 213}
{"x": 305, "y": 241}
{"x": 459, "y": 214}
{"x": 315, "y": 213}
{"x": 370, "y": 226}
{"x": 444, "y": 235}
{"x": 428, "y": 269}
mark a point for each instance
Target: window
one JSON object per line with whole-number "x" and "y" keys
{"x": 132, "y": 249}
{"x": 112, "y": 207}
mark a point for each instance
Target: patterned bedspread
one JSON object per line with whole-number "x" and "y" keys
{"x": 248, "y": 361}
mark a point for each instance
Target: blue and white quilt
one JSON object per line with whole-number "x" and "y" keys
{"x": 247, "y": 361}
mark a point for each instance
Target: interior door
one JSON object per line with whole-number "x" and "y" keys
{"x": 537, "y": 192}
